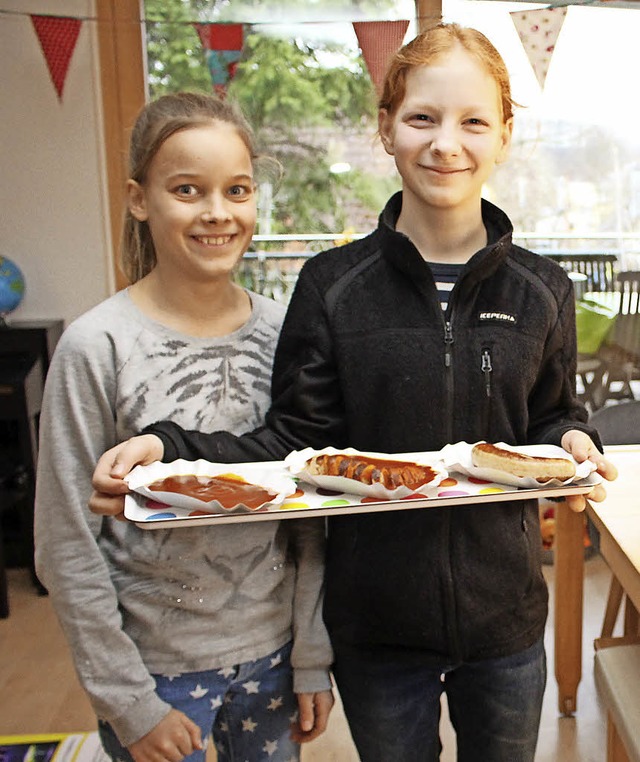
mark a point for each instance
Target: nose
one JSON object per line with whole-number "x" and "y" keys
{"x": 216, "y": 209}
{"x": 445, "y": 141}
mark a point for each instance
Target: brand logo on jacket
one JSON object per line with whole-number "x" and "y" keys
{"x": 500, "y": 317}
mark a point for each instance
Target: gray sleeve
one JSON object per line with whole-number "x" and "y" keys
{"x": 77, "y": 424}
{"x": 312, "y": 655}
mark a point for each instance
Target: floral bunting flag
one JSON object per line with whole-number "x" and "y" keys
{"x": 58, "y": 36}
{"x": 223, "y": 47}
{"x": 378, "y": 40}
{"x": 539, "y": 30}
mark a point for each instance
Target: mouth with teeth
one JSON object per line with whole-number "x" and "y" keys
{"x": 212, "y": 240}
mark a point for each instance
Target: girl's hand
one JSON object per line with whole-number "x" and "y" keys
{"x": 581, "y": 447}
{"x": 108, "y": 478}
{"x": 313, "y": 715}
{"x": 172, "y": 739}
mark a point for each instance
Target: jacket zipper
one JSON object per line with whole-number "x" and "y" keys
{"x": 448, "y": 341}
{"x": 487, "y": 368}
{"x": 448, "y": 528}
{"x": 448, "y": 364}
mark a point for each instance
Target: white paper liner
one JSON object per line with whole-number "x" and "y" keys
{"x": 457, "y": 457}
{"x": 296, "y": 462}
{"x": 278, "y": 482}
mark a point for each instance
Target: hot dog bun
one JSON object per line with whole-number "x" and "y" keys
{"x": 485, "y": 455}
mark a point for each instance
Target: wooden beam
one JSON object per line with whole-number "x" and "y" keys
{"x": 121, "y": 42}
{"x": 428, "y": 13}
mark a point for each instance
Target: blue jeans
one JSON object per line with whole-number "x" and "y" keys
{"x": 393, "y": 709}
{"x": 248, "y": 709}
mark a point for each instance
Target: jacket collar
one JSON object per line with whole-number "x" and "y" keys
{"x": 401, "y": 252}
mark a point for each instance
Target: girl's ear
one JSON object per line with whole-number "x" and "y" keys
{"x": 136, "y": 200}
{"x": 507, "y": 133}
{"x": 385, "y": 125}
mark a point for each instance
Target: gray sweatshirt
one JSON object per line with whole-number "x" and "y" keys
{"x": 134, "y": 602}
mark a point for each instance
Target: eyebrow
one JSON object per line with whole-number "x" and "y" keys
{"x": 190, "y": 175}
{"x": 421, "y": 105}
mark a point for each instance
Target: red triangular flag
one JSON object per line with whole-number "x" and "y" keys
{"x": 378, "y": 40}
{"x": 222, "y": 45}
{"x": 58, "y": 36}
{"x": 220, "y": 36}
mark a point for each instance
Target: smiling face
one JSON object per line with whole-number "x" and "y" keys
{"x": 199, "y": 201}
{"x": 447, "y": 134}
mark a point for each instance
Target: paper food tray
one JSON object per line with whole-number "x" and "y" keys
{"x": 457, "y": 457}
{"x": 297, "y": 464}
{"x": 310, "y": 501}
{"x": 275, "y": 481}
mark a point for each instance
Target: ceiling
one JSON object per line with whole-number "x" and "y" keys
{"x": 593, "y": 3}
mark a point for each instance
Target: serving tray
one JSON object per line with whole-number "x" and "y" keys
{"x": 309, "y": 501}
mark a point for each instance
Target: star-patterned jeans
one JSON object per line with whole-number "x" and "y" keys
{"x": 393, "y": 709}
{"x": 247, "y": 708}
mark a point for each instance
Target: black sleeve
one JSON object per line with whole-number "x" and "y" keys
{"x": 218, "y": 446}
{"x": 306, "y": 409}
{"x": 554, "y": 405}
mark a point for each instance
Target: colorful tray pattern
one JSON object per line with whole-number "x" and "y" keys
{"x": 309, "y": 501}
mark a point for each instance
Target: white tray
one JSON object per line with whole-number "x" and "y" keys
{"x": 310, "y": 501}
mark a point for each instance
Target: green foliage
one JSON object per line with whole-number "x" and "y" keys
{"x": 285, "y": 91}
{"x": 307, "y": 199}
{"x": 273, "y": 87}
{"x": 175, "y": 57}
{"x": 373, "y": 195}
{"x": 287, "y": 88}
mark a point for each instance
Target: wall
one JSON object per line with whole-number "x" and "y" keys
{"x": 53, "y": 221}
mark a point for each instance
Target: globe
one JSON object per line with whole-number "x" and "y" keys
{"x": 11, "y": 287}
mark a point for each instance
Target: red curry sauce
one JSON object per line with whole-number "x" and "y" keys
{"x": 227, "y": 489}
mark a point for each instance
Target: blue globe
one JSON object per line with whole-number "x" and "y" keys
{"x": 11, "y": 286}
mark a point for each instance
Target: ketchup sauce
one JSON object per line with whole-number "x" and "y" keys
{"x": 227, "y": 489}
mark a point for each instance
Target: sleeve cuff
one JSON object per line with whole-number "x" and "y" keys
{"x": 139, "y": 718}
{"x": 170, "y": 452}
{"x": 311, "y": 680}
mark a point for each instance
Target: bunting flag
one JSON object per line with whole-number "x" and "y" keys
{"x": 223, "y": 47}
{"x": 538, "y": 31}
{"x": 378, "y": 40}
{"x": 58, "y": 36}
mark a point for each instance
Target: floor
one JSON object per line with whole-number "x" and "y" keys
{"x": 40, "y": 694}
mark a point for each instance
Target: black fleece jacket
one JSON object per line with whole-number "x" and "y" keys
{"x": 367, "y": 359}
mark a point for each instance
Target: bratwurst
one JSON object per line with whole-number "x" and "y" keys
{"x": 485, "y": 455}
{"x": 367, "y": 470}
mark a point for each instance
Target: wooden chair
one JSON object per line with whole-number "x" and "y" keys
{"x": 600, "y": 269}
{"x": 618, "y": 424}
{"x": 617, "y": 673}
{"x": 623, "y": 346}
{"x": 608, "y": 374}
{"x": 592, "y": 372}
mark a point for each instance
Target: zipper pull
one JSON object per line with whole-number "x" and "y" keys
{"x": 448, "y": 340}
{"x": 486, "y": 369}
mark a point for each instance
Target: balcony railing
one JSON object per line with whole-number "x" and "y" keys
{"x": 272, "y": 266}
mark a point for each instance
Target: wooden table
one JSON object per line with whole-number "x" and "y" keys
{"x": 618, "y": 521}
